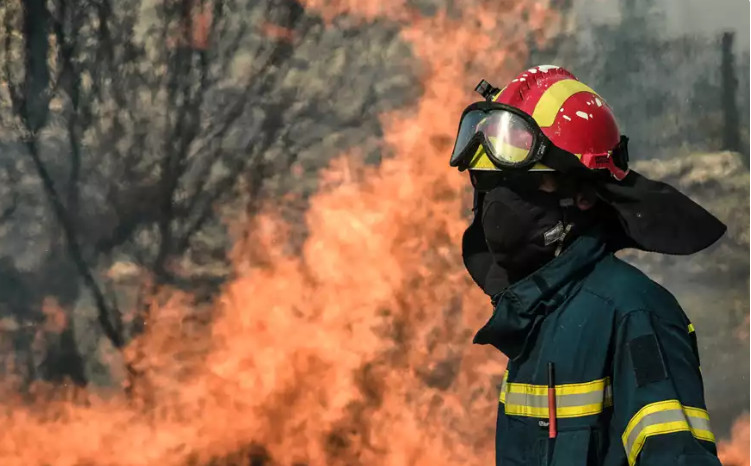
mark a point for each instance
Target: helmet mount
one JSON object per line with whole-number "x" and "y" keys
{"x": 486, "y": 90}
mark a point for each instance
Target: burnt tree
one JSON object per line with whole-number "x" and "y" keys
{"x": 138, "y": 119}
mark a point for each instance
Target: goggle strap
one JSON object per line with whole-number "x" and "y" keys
{"x": 564, "y": 162}
{"x": 477, "y": 201}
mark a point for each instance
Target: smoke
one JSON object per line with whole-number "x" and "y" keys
{"x": 357, "y": 351}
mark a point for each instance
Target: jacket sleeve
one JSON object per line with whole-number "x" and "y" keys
{"x": 658, "y": 395}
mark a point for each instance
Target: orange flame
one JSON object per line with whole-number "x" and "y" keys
{"x": 736, "y": 451}
{"x": 356, "y": 353}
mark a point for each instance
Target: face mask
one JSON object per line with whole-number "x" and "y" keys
{"x": 524, "y": 229}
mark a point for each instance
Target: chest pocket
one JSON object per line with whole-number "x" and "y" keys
{"x": 579, "y": 447}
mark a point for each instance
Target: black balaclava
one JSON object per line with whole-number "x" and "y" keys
{"x": 634, "y": 212}
{"x": 526, "y": 227}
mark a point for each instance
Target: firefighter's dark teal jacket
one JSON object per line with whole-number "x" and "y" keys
{"x": 628, "y": 387}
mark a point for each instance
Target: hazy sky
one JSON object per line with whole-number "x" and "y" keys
{"x": 708, "y": 17}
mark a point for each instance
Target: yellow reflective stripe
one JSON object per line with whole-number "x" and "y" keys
{"x": 703, "y": 434}
{"x": 660, "y": 418}
{"x": 560, "y": 411}
{"x": 553, "y": 99}
{"x": 662, "y": 429}
{"x": 503, "y": 387}
{"x": 699, "y": 419}
{"x": 656, "y": 429}
{"x": 563, "y": 389}
{"x": 572, "y": 400}
{"x": 696, "y": 412}
{"x": 649, "y": 409}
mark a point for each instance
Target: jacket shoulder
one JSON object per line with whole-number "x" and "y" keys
{"x": 629, "y": 289}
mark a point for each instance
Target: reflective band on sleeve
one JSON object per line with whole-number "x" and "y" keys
{"x": 664, "y": 417}
{"x": 691, "y": 328}
{"x": 572, "y": 400}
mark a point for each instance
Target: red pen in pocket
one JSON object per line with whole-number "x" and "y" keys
{"x": 552, "y": 430}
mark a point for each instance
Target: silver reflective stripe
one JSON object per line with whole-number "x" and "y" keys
{"x": 660, "y": 417}
{"x": 561, "y": 401}
{"x": 572, "y": 400}
{"x": 699, "y": 423}
{"x": 664, "y": 417}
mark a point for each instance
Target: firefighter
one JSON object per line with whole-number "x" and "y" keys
{"x": 603, "y": 366}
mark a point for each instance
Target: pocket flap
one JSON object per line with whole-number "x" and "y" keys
{"x": 571, "y": 448}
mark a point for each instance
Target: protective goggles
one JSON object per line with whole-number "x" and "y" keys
{"x": 512, "y": 140}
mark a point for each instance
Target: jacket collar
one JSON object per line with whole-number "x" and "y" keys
{"x": 521, "y": 307}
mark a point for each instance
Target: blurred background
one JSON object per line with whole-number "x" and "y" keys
{"x": 229, "y": 234}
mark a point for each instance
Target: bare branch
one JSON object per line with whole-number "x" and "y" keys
{"x": 114, "y": 334}
{"x": 34, "y": 109}
{"x": 8, "y": 211}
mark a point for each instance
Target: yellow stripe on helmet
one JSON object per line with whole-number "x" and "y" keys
{"x": 547, "y": 108}
{"x": 553, "y": 99}
{"x": 498, "y": 94}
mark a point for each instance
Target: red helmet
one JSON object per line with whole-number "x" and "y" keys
{"x": 572, "y": 115}
{"x": 547, "y": 115}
